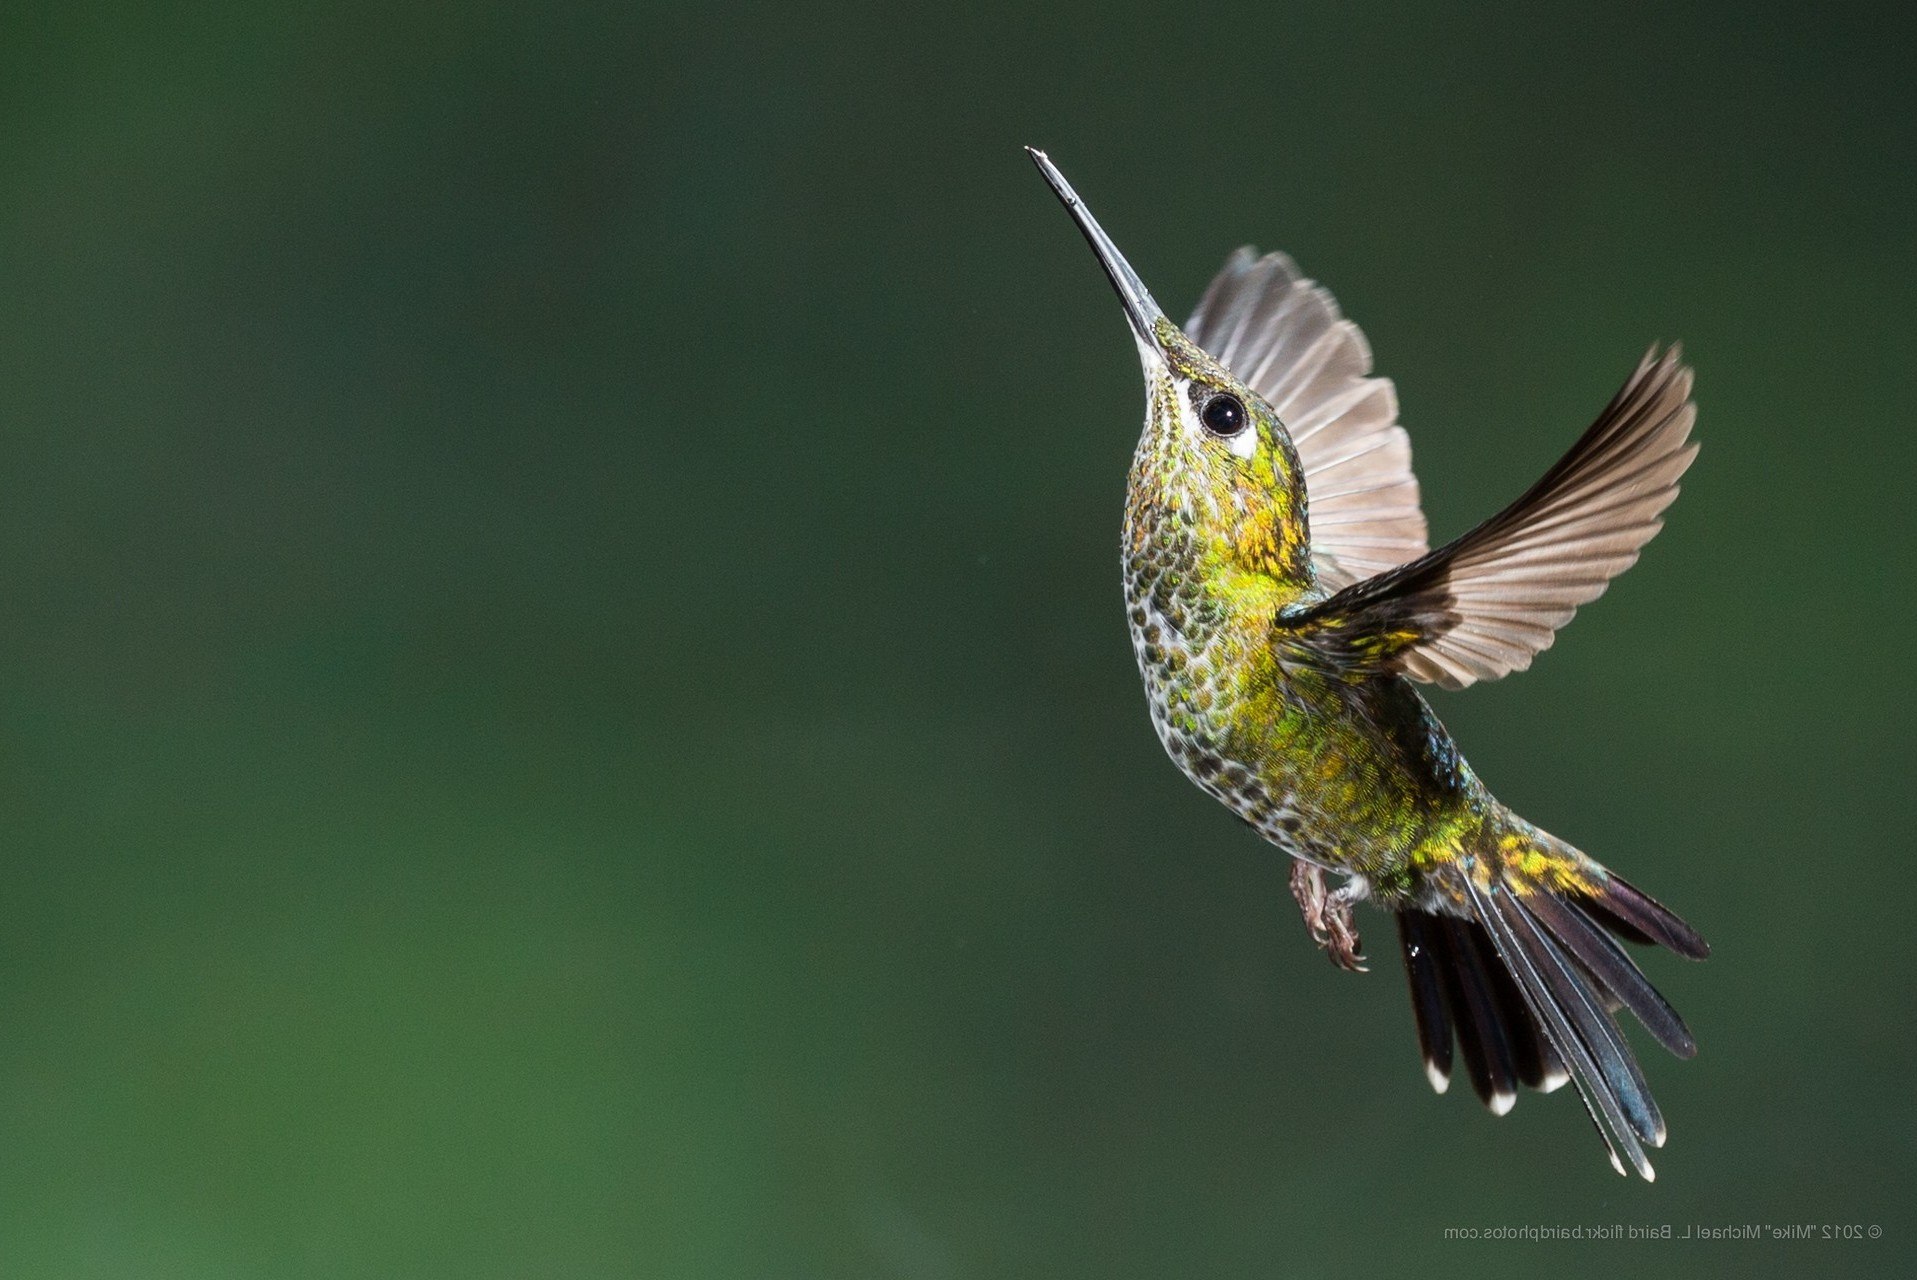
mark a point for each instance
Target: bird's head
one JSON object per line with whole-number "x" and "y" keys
{"x": 1214, "y": 462}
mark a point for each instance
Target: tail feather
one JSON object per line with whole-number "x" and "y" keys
{"x": 1564, "y": 998}
{"x": 1538, "y": 1064}
{"x": 1635, "y": 915}
{"x": 1527, "y": 982}
{"x": 1613, "y": 971}
{"x": 1482, "y": 1030}
{"x": 1423, "y": 959}
{"x": 1441, "y": 996}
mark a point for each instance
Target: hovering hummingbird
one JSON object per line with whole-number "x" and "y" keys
{"x": 1283, "y": 609}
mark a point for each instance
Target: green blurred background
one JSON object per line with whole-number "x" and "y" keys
{"x": 564, "y": 709}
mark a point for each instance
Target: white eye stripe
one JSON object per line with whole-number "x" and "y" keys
{"x": 1187, "y": 416}
{"x": 1245, "y": 443}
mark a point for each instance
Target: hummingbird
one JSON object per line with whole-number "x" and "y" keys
{"x": 1284, "y": 608}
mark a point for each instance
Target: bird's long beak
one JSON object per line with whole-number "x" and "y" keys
{"x": 1140, "y": 310}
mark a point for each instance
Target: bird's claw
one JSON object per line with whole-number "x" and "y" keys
{"x": 1328, "y": 915}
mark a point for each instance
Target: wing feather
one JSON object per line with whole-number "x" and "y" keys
{"x": 1284, "y": 337}
{"x": 1488, "y": 603}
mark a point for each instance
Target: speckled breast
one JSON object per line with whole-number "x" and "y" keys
{"x": 1186, "y": 655}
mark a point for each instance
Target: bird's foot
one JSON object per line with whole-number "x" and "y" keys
{"x": 1328, "y": 914}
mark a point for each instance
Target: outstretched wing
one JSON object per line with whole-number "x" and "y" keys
{"x": 1486, "y": 604}
{"x": 1283, "y": 336}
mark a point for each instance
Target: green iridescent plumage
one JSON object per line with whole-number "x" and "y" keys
{"x": 1282, "y": 604}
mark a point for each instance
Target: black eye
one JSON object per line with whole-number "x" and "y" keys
{"x": 1224, "y": 415}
